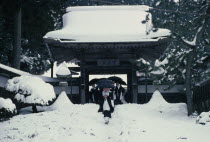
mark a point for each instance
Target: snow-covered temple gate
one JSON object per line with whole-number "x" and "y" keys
{"x": 106, "y": 40}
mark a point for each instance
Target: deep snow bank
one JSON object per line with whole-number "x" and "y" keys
{"x": 62, "y": 102}
{"x": 158, "y": 103}
{"x": 203, "y": 118}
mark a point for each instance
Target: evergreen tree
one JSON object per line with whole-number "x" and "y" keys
{"x": 38, "y": 18}
{"x": 189, "y": 24}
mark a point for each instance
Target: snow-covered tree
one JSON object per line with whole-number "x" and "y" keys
{"x": 189, "y": 23}
{"x": 175, "y": 68}
{"x": 7, "y": 109}
{"x": 31, "y": 91}
{"x": 38, "y": 17}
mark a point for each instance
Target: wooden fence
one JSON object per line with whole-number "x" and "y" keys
{"x": 171, "y": 95}
{"x": 201, "y": 97}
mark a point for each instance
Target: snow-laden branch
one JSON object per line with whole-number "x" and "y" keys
{"x": 159, "y": 71}
{"x": 193, "y": 42}
{"x": 141, "y": 60}
{"x": 161, "y": 63}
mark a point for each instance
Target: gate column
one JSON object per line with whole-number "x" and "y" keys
{"x": 82, "y": 84}
{"x": 134, "y": 86}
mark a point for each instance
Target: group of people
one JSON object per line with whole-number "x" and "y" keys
{"x": 107, "y": 98}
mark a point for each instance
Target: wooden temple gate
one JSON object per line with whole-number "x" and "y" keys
{"x": 103, "y": 58}
{"x": 106, "y": 40}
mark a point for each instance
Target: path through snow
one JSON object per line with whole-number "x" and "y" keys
{"x": 157, "y": 121}
{"x": 79, "y": 123}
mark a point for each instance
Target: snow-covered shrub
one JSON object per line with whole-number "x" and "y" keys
{"x": 7, "y": 109}
{"x": 203, "y": 118}
{"x": 31, "y": 90}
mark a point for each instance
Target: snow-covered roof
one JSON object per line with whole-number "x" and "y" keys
{"x": 13, "y": 70}
{"x": 106, "y": 24}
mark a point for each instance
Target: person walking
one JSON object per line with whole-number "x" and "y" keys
{"x": 119, "y": 93}
{"x": 106, "y": 105}
{"x": 93, "y": 95}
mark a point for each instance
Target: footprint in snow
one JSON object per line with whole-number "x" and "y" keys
{"x": 184, "y": 138}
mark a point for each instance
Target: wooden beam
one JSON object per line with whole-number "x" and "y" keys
{"x": 77, "y": 69}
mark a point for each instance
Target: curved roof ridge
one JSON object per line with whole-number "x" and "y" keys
{"x": 100, "y": 8}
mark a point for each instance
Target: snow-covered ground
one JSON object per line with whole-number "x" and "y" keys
{"x": 157, "y": 121}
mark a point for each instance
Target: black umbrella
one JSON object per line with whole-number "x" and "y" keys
{"x": 105, "y": 83}
{"x": 117, "y": 79}
{"x": 94, "y": 81}
{"x": 122, "y": 82}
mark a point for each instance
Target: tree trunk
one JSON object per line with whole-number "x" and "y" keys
{"x": 34, "y": 109}
{"x": 17, "y": 39}
{"x": 189, "y": 94}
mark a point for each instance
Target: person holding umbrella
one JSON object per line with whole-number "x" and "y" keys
{"x": 105, "y": 102}
{"x": 94, "y": 92}
{"x": 119, "y": 91}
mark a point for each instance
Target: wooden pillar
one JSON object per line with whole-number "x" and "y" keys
{"x": 134, "y": 86}
{"x": 51, "y": 66}
{"x": 82, "y": 83}
{"x": 129, "y": 86}
{"x": 86, "y": 86}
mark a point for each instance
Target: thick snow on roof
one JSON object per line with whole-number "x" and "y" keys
{"x": 16, "y": 71}
{"x": 106, "y": 24}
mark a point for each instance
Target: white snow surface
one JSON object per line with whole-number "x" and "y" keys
{"x": 106, "y": 24}
{"x": 203, "y": 118}
{"x": 129, "y": 123}
{"x": 157, "y": 100}
{"x": 61, "y": 102}
{"x": 35, "y": 89}
{"x": 7, "y": 104}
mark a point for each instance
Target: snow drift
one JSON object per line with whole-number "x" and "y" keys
{"x": 62, "y": 102}
{"x": 157, "y": 102}
{"x": 203, "y": 118}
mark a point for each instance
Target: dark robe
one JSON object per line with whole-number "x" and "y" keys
{"x": 94, "y": 95}
{"x": 118, "y": 92}
{"x": 101, "y": 102}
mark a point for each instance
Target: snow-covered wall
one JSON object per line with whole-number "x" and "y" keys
{"x": 152, "y": 88}
{"x": 75, "y": 90}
